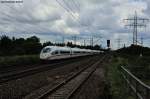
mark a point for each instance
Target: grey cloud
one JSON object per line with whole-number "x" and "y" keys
{"x": 47, "y": 18}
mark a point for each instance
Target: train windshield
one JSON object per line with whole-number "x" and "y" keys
{"x": 45, "y": 50}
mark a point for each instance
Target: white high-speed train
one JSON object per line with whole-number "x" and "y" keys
{"x": 55, "y": 52}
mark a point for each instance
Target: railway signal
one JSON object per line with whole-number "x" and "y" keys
{"x": 108, "y": 43}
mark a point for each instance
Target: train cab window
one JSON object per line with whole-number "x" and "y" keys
{"x": 45, "y": 50}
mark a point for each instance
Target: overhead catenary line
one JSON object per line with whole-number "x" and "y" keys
{"x": 76, "y": 4}
{"x": 67, "y": 9}
{"x": 68, "y": 6}
{"x": 119, "y": 42}
{"x": 70, "y": 11}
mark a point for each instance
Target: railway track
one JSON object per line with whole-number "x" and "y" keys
{"x": 15, "y": 74}
{"x": 68, "y": 87}
{"x": 7, "y": 69}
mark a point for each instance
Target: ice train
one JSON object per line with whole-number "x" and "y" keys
{"x": 55, "y": 52}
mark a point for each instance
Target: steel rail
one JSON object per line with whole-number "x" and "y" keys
{"x": 20, "y": 74}
{"x": 57, "y": 87}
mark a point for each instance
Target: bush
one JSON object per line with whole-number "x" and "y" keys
{"x": 19, "y": 60}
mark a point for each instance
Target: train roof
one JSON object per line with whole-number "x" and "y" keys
{"x": 58, "y": 48}
{"x": 65, "y": 48}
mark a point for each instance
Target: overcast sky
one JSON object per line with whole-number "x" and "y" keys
{"x": 51, "y": 20}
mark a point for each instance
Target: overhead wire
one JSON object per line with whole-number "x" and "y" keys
{"x": 67, "y": 9}
{"x": 68, "y": 6}
{"x": 76, "y": 4}
{"x": 70, "y": 11}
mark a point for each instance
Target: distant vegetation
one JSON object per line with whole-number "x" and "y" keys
{"x": 136, "y": 64}
{"x": 135, "y": 50}
{"x": 19, "y": 60}
{"x": 29, "y": 46}
{"x": 138, "y": 60}
{"x": 19, "y": 46}
{"x": 21, "y": 51}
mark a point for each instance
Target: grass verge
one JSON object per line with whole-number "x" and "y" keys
{"x": 116, "y": 83}
{"x": 19, "y": 60}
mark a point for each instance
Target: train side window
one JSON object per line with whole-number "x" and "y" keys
{"x": 45, "y": 50}
{"x": 56, "y": 52}
{"x": 64, "y": 52}
{"x": 77, "y": 52}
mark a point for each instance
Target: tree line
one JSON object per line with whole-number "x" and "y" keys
{"x": 135, "y": 50}
{"x": 138, "y": 58}
{"x": 21, "y": 46}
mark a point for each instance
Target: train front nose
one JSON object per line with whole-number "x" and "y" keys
{"x": 43, "y": 56}
{"x": 45, "y": 53}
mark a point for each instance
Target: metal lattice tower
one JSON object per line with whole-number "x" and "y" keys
{"x": 119, "y": 42}
{"x": 136, "y": 23}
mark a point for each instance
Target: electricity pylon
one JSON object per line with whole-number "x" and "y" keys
{"x": 136, "y": 23}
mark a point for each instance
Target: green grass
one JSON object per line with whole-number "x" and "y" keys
{"x": 139, "y": 66}
{"x": 19, "y": 60}
{"x": 117, "y": 86}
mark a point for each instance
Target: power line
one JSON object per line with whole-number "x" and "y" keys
{"x": 141, "y": 41}
{"x": 68, "y": 10}
{"x": 118, "y": 42}
{"x": 84, "y": 42}
{"x": 91, "y": 41}
{"x": 63, "y": 39}
{"x": 76, "y": 4}
{"x": 135, "y": 24}
{"x": 74, "y": 39}
{"x": 68, "y": 6}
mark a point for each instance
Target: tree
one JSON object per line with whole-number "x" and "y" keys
{"x": 18, "y": 46}
{"x": 69, "y": 44}
{"x": 6, "y": 45}
{"x": 47, "y": 44}
{"x": 96, "y": 47}
{"x": 32, "y": 45}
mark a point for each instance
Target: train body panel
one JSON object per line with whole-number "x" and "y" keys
{"x": 55, "y": 52}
